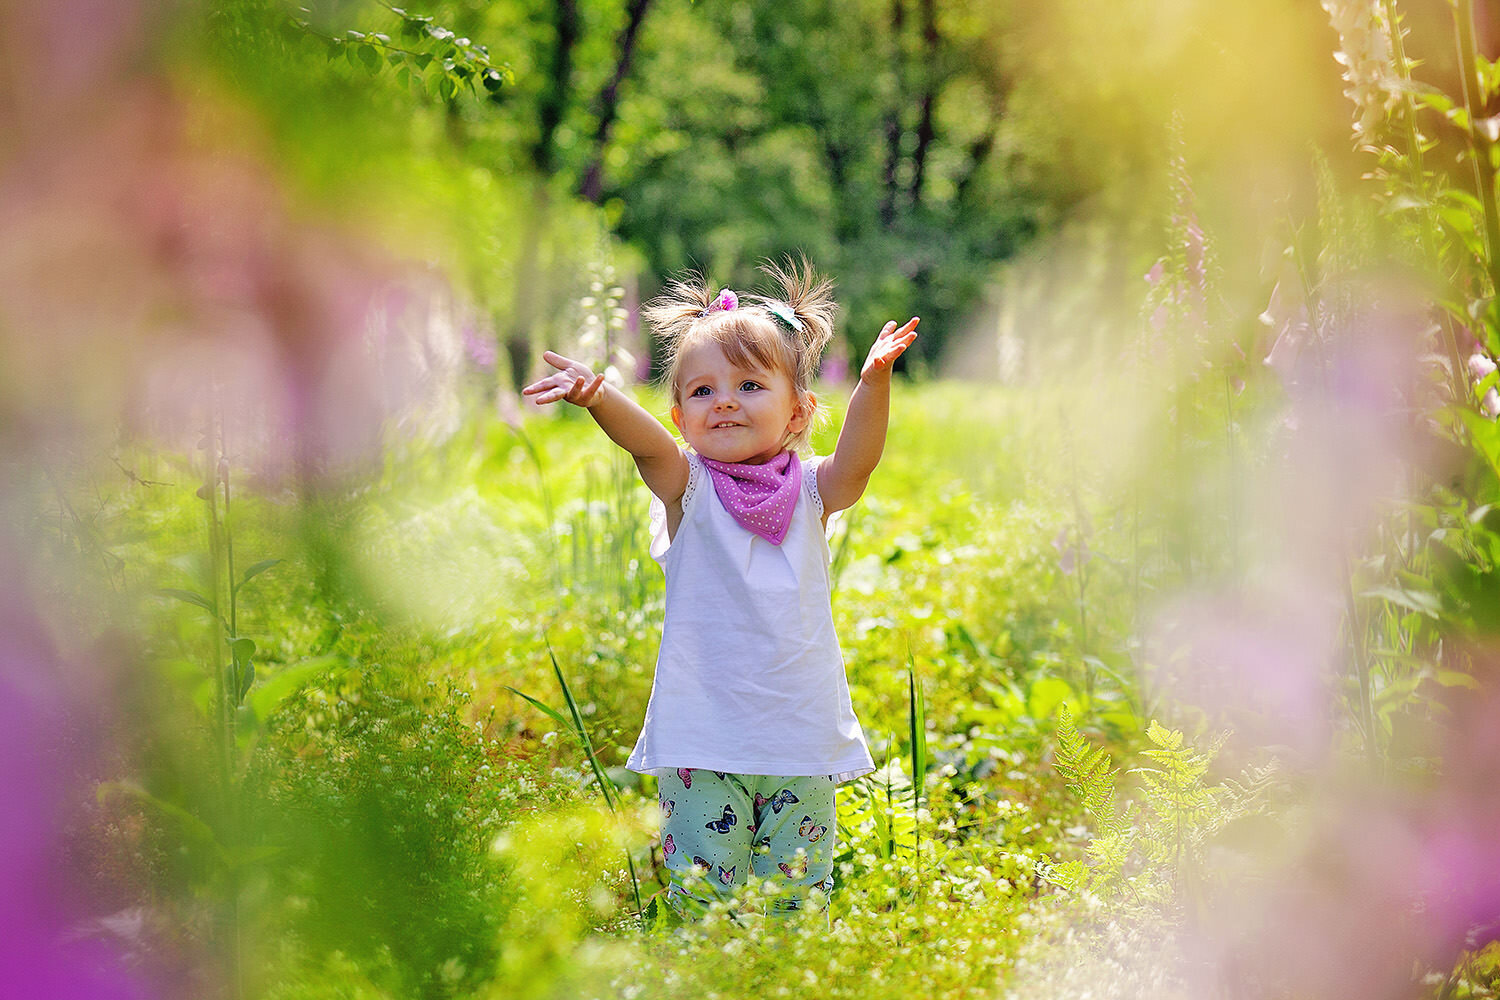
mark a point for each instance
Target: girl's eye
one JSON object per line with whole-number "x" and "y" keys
{"x": 702, "y": 390}
{"x": 749, "y": 386}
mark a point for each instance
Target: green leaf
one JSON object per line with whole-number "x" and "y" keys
{"x": 195, "y": 829}
{"x": 1456, "y": 678}
{"x": 251, "y": 572}
{"x": 242, "y": 671}
{"x": 189, "y": 597}
{"x": 1167, "y": 739}
{"x": 280, "y": 685}
{"x": 1436, "y": 100}
{"x": 916, "y": 718}
{"x": 546, "y": 710}
{"x": 1045, "y": 695}
{"x": 370, "y": 57}
{"x": 1485, "y": 434}
{"x": 247, "y": 678}
{"x": 605, "y": 785}
{"x": 1424, "y": 603}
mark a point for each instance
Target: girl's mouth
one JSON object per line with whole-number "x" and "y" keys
{"x": 724, "y": 423}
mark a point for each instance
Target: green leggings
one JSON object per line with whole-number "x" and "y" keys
{"x": 718, "y": 829}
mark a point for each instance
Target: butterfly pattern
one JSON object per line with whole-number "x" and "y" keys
{"x": 722, "y": 824}
{"x": 779, "y": 800}
{"x": 811, "y": 830}
{"x": 743, "y": 834}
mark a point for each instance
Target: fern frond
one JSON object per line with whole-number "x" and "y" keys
{"x": 1088, "y": 771}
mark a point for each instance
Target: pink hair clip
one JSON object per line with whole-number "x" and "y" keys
{"x": 726, "y": 301}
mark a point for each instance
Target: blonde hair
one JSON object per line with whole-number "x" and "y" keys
{"x": 751, "y": 331}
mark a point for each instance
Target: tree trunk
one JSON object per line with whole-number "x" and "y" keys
{"x": 893, "y": 130}
{"x": 609, "y": 100}
{"x": 554, "y": 100}
{"x": 925, "y": 129}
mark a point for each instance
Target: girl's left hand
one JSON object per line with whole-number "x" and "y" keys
{"x": 889, "y": 346}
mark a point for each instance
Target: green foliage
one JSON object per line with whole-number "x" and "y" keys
{"x": 1183, "y": 808}
{"x": 427, "y": 56}
{"x": 1151, "y": 850}
{"x": 385, "y": 801}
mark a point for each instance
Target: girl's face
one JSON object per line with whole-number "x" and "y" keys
{"x": 735, "y": 414}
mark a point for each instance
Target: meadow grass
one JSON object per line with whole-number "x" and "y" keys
{"x": 419, "y": 829}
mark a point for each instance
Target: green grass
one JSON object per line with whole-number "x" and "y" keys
{"x": 415, "y": 828}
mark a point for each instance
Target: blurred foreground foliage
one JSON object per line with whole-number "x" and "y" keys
{"x": 277, "y": 541}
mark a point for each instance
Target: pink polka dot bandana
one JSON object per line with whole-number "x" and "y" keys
{"x": 760, "y": 498}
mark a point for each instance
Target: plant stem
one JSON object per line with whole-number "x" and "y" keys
{"x": 1479, "y": 143}
{"x": 224, "y": 712}
{"x": 1359, "y": 647}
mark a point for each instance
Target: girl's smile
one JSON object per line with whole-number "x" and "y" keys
{"x": 735, "y": 413}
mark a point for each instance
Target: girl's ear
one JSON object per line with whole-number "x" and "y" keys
{"x": 802, "y": 414}
{"x": 676, "y": 413}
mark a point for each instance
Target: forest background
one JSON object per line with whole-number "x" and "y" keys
{"x": 323, "y": 651}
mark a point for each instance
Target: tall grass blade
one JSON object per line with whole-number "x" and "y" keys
{"x": 916, "y": 715}
{"x": 606, "y": 786}
{"x": 545, "y": 709}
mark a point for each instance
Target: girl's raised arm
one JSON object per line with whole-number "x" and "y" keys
{"x": 843, "y": 476}
{"x": 662, "y": 464}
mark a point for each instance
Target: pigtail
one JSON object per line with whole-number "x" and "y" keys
{"x": 810, "y": 297}
{"x": 673, "y": 313}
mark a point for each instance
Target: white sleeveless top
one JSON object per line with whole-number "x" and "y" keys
{"x": 750, "y": 678}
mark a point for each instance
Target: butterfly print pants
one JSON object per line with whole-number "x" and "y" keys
{"x": 719, "y": 829}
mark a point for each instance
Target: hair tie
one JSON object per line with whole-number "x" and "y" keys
{"x": 784, "y": 314}
{"x": 726, "y": 301}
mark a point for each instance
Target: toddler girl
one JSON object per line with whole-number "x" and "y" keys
{"x": 749, "y": 726}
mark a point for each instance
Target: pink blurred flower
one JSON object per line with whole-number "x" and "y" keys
{"x": 150, "y": 274}
{"x": 1260, "y": 661}
{"x": 1480, "y": 368}
{"x": 835, "y": 368}
{"x": 41, "y": 735}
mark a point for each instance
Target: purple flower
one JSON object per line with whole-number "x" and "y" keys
{"x": 726, "y": 301}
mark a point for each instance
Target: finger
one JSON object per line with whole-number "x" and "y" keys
{"x": 557, "y": 360}
{"x": 886, "y": 330}
{"x": 908, "y": 326}
{"x": 594, "y": 388}
{"x": 540, "y": 385}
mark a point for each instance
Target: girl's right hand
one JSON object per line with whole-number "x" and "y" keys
{"x": 572, "y": 381}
